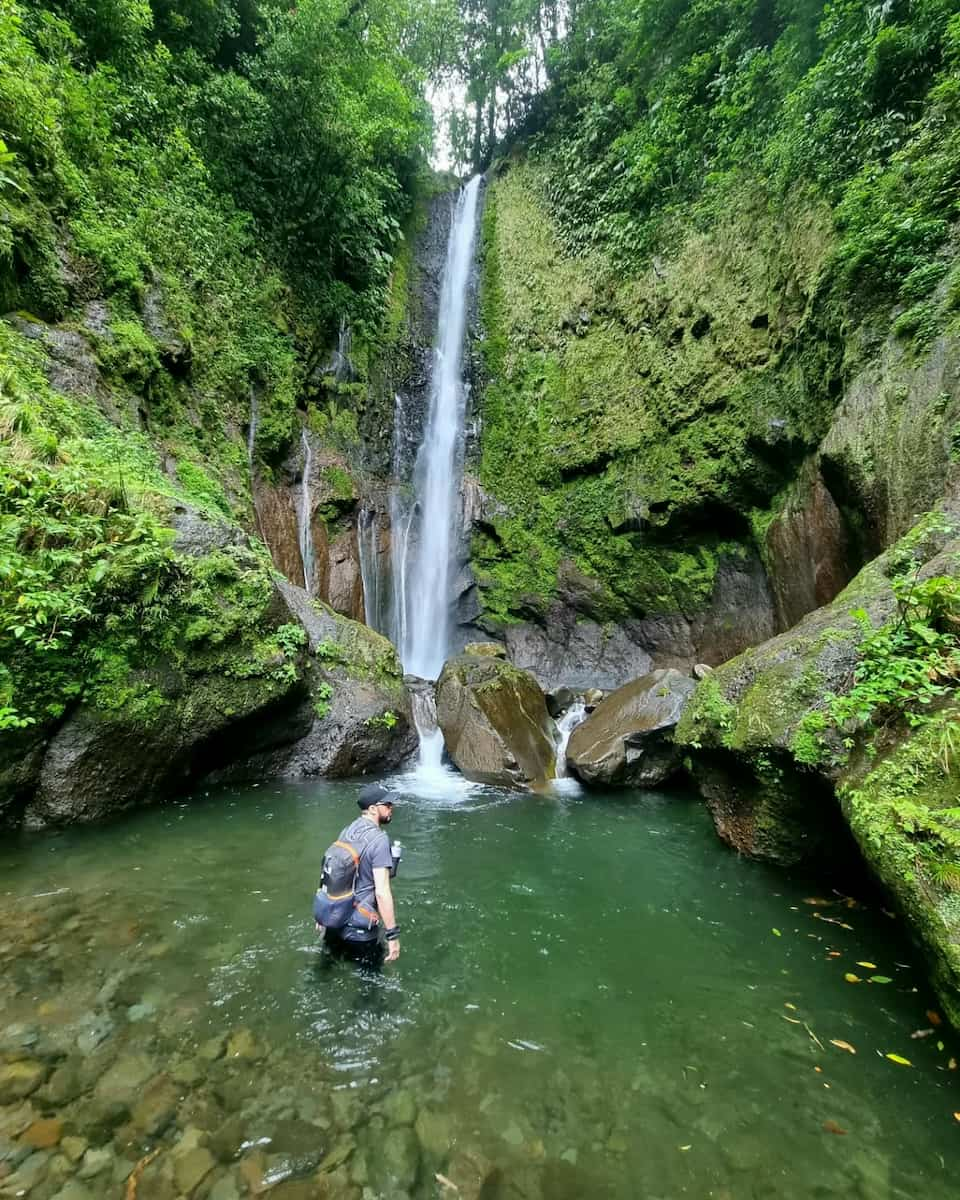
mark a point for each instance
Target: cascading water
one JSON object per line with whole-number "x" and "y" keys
{"x": 304, "y": 532}
{"x": 368, "y": 549}
{"x": 425, "y": 526}
{"x": 252, "y": 430}
{"x": 340, "y": 366}
{"x": 574, "y": 716}
{"x": 431, "y": 739}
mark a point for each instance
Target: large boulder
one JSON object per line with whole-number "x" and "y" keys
{"x": 166, "y": 721}
{"x": 495, "y": 722}
{"x": 295, "y": 690}
{"x": 628, "y": 738}
{"x": 784, "y": 783}
{"x": 356, "y": 715}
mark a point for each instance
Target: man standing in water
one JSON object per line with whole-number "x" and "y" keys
{"x": 359, "y": 938}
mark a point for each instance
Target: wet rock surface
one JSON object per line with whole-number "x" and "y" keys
{"x": 628, "y": 738}
{"x": 748, "y": 728}
{"x": 356, "y": 716}
{"x": 570, "y": 646}
{"x": 327, "y": 501}
{"x": 494, "y": 721}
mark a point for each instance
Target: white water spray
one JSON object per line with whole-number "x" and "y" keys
{"x": 305, "y": 533}
{"x": 431, "y": 739}
{"x": 575, "y": 715}
{"x": 424, "y": 606}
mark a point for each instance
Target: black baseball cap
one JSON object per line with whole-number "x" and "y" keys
{"x": 375, "y": 793}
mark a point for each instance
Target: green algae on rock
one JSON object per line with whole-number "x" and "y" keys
{"x": 494, "y": 721}
{"x": 777, "y": 768}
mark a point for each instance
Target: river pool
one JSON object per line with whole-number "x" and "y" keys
{"x": 595, "y": 998}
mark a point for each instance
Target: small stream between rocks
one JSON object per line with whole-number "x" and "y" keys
{"x": 595, "y": 998}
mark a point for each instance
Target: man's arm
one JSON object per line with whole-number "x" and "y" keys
{"x": 381, "y": 883}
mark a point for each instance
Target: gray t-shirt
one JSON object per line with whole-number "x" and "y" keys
{"x": 373, "y": 846}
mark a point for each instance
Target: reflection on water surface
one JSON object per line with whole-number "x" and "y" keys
{"x": 595, "y": 998}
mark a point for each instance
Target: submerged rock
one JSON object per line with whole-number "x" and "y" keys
{"x": 628, "y": 739}
{"x": 494, "y": 721}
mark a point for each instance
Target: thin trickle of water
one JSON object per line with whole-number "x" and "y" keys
{"x": 368, "y": 538}
{"x": 431, "y": 739}
{"x": 340, "y": 366}
{"x": 423, "y": 610}
{"x": 304, "y": 532}
{"x": 252, "y": 430}
{"x": 575, "y": 715}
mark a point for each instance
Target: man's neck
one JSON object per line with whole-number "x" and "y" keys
{"x": 371, "y": 816}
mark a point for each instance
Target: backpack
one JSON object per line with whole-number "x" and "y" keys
{"x": 336, "y": 897}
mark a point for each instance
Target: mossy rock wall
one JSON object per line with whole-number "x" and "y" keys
{"x": 631, "y": 427}
{"x": 640, "y": 432}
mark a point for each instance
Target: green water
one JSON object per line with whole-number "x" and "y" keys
{"x": 591, "y": 1001}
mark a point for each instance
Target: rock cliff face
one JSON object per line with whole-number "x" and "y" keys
{"x": 320, "y": 508}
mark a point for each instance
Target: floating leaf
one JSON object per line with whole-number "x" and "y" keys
{"x": 921, "y": 1033}
{"x": 869, "y": 966}
{"x": 879, "y": 979}
{"x": 833, "y": 921}
{"x": 952, "y": 1064}
{"x": 778, "y": 933}
{"x": 956, "y": 1116}
{"x": 833, "y": 1127}
{"x": 934, "y": 1017}
{"x": 686, "y": 1147}
{"x": 897, "y": 1058}
{"x": 792, "y": 1007}
{"x": 833, "y": 954}
{"x": 792, "y": 1020}
{"x": 851, "y": 978}
{"x": 817, "y": 900}
{"x": 940, "y": 1047}
{"x": 842, "y": 1045}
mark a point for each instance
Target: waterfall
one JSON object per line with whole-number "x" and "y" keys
{"x": 431, "y": 739}
{"x": 368, "y": 547}
{"x": 425, "y": 527}
{"x": 252, "y": 430}
{"x": 575, "y": 714}
{"x": 340, "y": 366}
{"x": 304, "y": 532}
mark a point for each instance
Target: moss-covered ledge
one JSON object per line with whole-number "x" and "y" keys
{"x": 777, "y": 768}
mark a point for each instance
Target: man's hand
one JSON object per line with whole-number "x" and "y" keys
{"x": 393, "y": 950}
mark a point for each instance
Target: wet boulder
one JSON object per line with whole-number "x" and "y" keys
{"x": 628, "y": 739}
{"x": 784, "y": 782}
{"x": 356, "y": 716}
{"x": 494, "y": 721}
{"x": 172, "y": 719}
{"x": 485, "y": 650}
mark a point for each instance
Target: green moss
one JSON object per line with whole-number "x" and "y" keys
{"x": 198, "y": 486}
{"x": 708, "y": 719}
{"x": 359, "y": 651}
{"x": 903, "y": 812}
{"x": 339, "y": 483}
{"x": 618, "y": 412}
{"x": 128, "y": 354}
